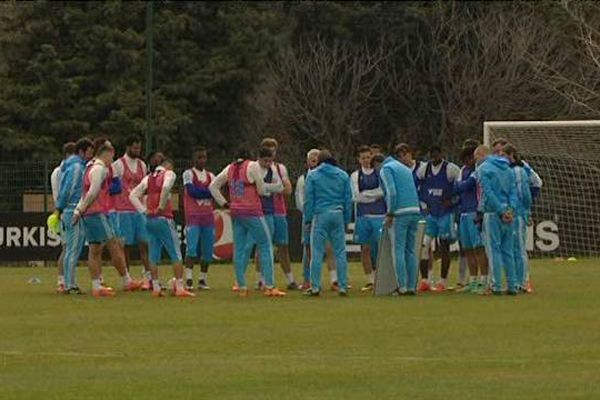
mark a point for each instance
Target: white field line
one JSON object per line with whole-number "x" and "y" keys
{"x": 291, "y": 357}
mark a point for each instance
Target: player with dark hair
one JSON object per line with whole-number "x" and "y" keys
{"x": 199, "y": 208}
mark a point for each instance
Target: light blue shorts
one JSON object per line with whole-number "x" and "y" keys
{"x": 132, "y": 228}
{"x": 162, "y": 234}
{"x": 280, "y": 234}
{"x": 368, "y": 229}
{"x": 469, "y": 233}
{"x": 97, "y": 228}
{"x": 200, "y": 235}
{"x": 441, "y": 227}
{"x": 113, "y": 219}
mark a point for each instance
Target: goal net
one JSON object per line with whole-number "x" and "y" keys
{"x": 566, "y": 155}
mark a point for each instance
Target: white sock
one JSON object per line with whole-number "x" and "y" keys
{"x": 290, "y": 277}
{"x": 126, "y": 278}
{"x": 101, "y": 279}
{"x": 96, "y": 284}
{"x": 148, "y": 275}
{"x": 61, "y": 280}
{"x": 483, "y": 279}
{"x": 179, "y": 284}
{"x": 333, "y": 275}
{"x": 155, "y": 285}
{"x": 371, "y": 277}
{"x": 189, "y": 273}
{"x": 203, "y": 276}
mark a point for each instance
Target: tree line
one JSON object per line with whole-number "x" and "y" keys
{"x": 334, "y": 74}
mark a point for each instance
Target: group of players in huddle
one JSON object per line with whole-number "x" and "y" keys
{"x": 121, "y": 204}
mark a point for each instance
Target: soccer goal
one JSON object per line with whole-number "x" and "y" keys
{"x": 566, "y": 155}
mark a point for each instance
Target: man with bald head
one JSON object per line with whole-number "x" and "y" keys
{"x": 498, "y": 200}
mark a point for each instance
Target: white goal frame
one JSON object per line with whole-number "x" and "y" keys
{"x": 530, "y": 124}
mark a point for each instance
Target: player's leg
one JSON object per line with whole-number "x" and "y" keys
{"x": 240, "y": 258}
{"x": 410, "y": 254}
{"x": 362, "y": 236}
{"x": 141, "y": 236}
{"x": 318, "y": 242}
{"x": 192, "y": 237}
{"x": 94, "y": 267}
{"x": 170, "y": 241}
{"x": 74, "y": 236}
{"x": 305, "y": 241}
{"x": 261, "y": 231}
{"x": 493, "y": 247}
{"x": 281, "y": 241}
{"x": 336, "y": 231}
{"x": 398, "y": 237}
{"x": 207, "y": 244}
{"x": 154, "y": 253}
{"x": 445, "y": 238}
{"x": 331, "y": 266}
{"x": 508, "y": 259}
{"x": 520, "y": 253}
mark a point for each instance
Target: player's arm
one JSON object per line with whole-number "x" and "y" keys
{"x": 255, "y": 176}
{"x": 390, "y": 189}
{"x": 492, "y": 201}
{"x": 452, "y": 172}
{"x": 165, "y": 191}
{"x": 276, "y": 186}
{"x": 67, "y": 185}
{"x": 54, "y": 183}
{"x": 216, "y": 185}
{"x": 137, "y": 194}
{"x": 285, "y": 179}
{"x": 309, "y": 199}
{"x": 347, "y": 200}
{"x": 193, "y": 190}
{"x": 467, "y": 185}
{"x": 97, "y": 176}
{"x": 300, "y": 193}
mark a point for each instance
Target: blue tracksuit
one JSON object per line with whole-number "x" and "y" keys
{"x": 523, "y": 209}
{"x": 328, "y": 208}
{"x": 69, "y": 193}
{"x": 403, "y": 202}
{"x": 498, "y": 187}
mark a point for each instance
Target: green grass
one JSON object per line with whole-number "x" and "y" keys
{"x": 217, "y": 346}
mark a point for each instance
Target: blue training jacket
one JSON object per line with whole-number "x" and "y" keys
{"x": 327, "y": 188}
{"x": 71, "y": 182}
{"x": 466, "y": 188}
{"x": 498, "y": 185}
{"x": 399, "y": 188}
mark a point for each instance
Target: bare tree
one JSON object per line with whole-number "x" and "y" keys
{"x": 325, "y": 92}
{"x": 483, "y": 72}
{"x": 571, "y": 65}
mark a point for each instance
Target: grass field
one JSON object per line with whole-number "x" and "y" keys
{"x": 217, "y": 346}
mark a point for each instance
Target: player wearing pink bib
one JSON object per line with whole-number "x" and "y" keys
{"x": 245, "y": 182}
{"x": 199, "y": 207}
{"x": 161, "y": 226}
{"x": 93, "y": 208}
{"x": 130, "y": 170}
{"x": 280, "y": 223}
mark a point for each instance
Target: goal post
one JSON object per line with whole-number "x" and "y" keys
{"x": 566, "y": 155}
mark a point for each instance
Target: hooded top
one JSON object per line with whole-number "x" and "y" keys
{"x": 71, "y": 182}
{"x": 498, "y": 186}
{"x": 399, "y": 188}
{"x": 327, "y": 189}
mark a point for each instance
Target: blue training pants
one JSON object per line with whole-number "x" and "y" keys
{"x": 499, "y": 238}
{"x": 404, "y": 256}
{"x": 255, "y": 227}
{"x": 74, "y": 239}
{"x": 328, "y": 226}
{"x": 520, "y": 251}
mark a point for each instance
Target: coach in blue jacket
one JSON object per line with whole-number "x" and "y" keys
{"x": 498, "y": 203}
{"x": 327, "y": 209}
{"x": 402, "y": 220}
